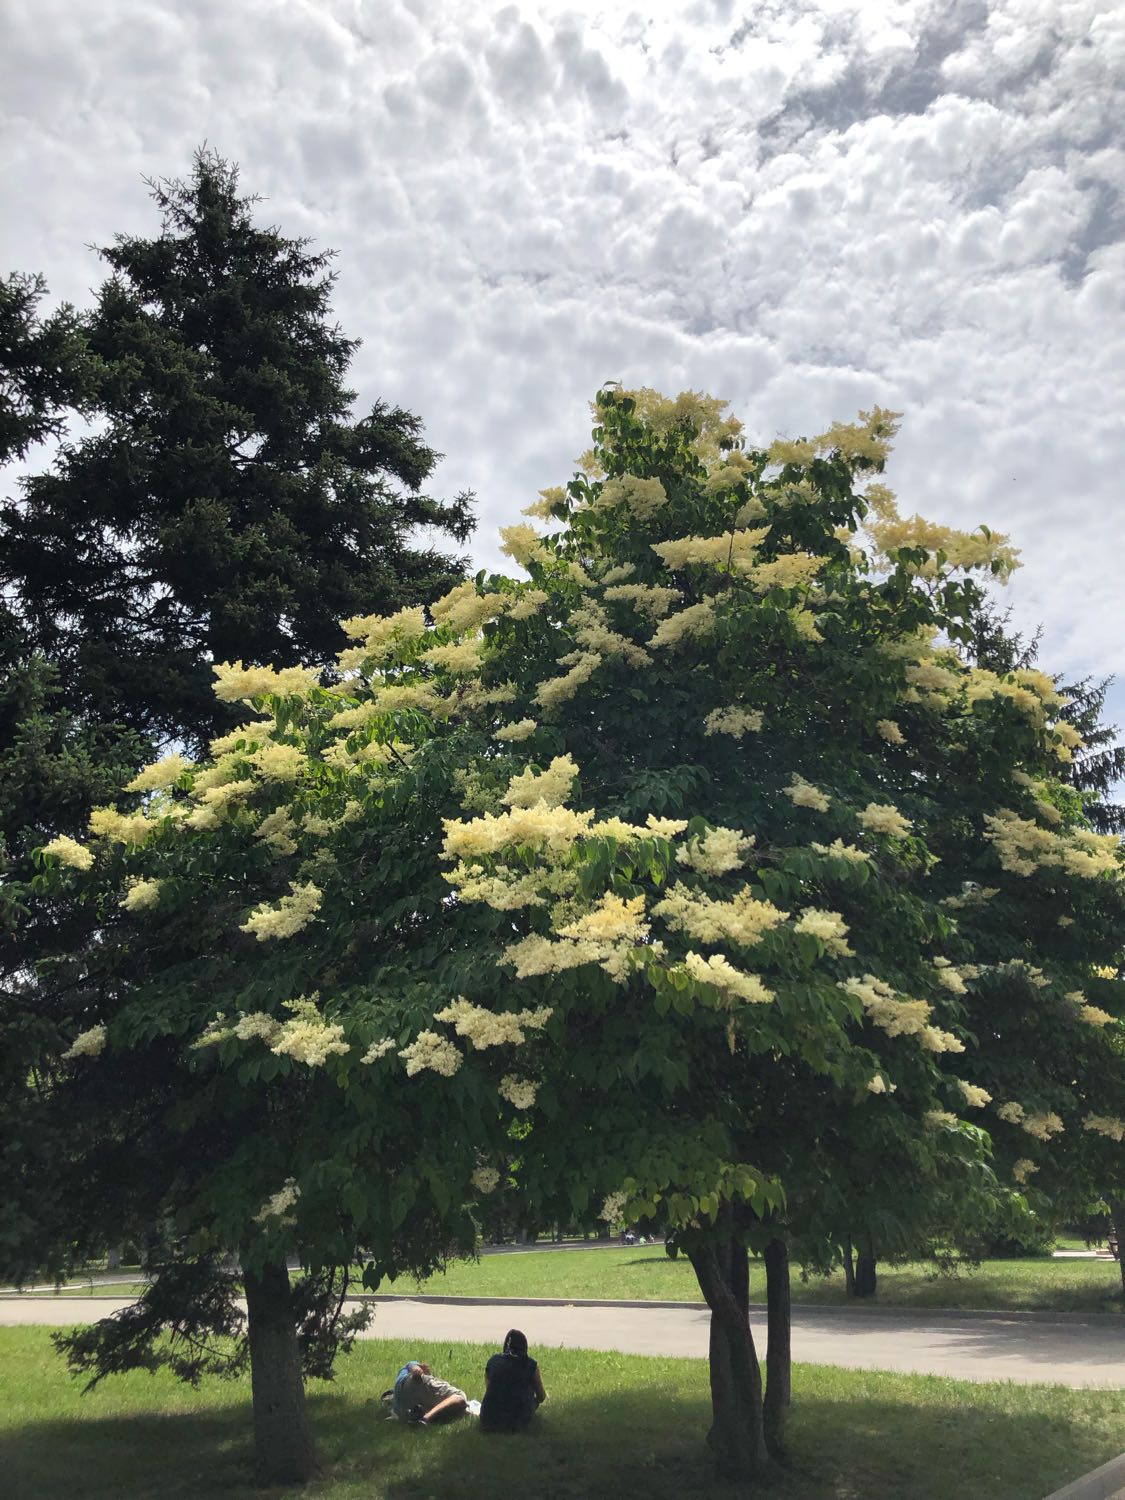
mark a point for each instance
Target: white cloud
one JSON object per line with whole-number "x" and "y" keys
{"x": 813, "y": 208}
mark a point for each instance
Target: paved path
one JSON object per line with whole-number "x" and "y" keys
{"x": 1072, "y": 1351}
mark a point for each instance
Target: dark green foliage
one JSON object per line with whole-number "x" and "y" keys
{"x": 230, "y": 506}
{"x": 46, "y": 370}
{"x": 53, "y": 769}
{"x": 1099, "y": 769}
{"x": 187, "y": 1321}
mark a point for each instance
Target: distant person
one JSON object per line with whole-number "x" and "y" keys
{"x": 420, "y": 1396}
{"x": 513, "y": 1388}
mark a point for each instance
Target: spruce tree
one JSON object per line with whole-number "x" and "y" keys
{"x": 45, "y": 367}
{"x": 225, "y": 502}
{"x": 1098, "y": 769}
{"x": 229, "y": 503}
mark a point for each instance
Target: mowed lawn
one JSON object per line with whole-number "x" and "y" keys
{"x": 613, "y": 1424}
{"x": 647, "y": 1274}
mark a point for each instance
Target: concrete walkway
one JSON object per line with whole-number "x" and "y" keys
{"x": 1071, "y": 1351}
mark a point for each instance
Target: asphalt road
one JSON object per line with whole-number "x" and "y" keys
{"x": 1072, "y": 1351}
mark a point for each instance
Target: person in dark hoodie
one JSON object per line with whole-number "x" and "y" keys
{"x": 513, "y": 1387}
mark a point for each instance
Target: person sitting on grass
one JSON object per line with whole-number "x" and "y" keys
{"x": 419, "y": 1396}
{"x": 513, "y": 1388}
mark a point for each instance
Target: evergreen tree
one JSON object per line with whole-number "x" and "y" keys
{"x": 1098, "y": 768}
{"x": 230, "y": 503}
{"x": 45, "y": 367}
{"x": 226, "y": 503}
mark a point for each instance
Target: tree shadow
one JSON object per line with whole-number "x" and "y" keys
{"x": 659, "y": 1261}
{"x": 848, "y": 1443}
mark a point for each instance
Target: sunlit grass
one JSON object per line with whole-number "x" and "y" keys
{"x": 632, "y": 1273}
{"x": 614, "y": 1423}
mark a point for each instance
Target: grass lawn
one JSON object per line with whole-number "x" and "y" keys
{"x": 647, "y": 1274}
{"x": 614, "y": 1423}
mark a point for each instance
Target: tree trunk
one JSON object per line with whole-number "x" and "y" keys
{"x": 113, "y": 1258}
{"x": 849, "y": 1269}
{"x": 737, "y": 1435}
{"x": 865, "y": 1275}
{"x": 779, "y": 1358}
{"x": 283, "y": 1438}
{"x": 1117, "y": 1213}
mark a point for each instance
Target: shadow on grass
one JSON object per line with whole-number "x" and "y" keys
{"x": 850, "y": 1441}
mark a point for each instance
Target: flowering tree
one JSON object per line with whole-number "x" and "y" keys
{"x": 258, "y": 1069}
{"x": 769, "y": 934}
{"x": 701, "y": 861}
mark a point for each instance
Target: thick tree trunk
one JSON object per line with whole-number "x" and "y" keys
{"x": 779, "y": 1357}
{"x": 1117, "y": 1210}
{"x": 737, "y": 1435}
{"x": 113, "y": 1258}
{"x": 865, "y": 1275}
{"x": 283, "y": 1438}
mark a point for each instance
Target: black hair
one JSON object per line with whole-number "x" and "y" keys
{"x": 515, "y": 1342}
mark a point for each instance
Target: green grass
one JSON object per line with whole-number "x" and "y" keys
{"x": 648, "y": 1274}
{"x": 635, "y": 1274}
{"x": 613, "y": 1423}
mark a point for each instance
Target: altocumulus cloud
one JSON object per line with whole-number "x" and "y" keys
{"x": 804, "y": 207}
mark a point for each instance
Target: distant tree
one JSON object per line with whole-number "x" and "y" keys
{"x": 1098, "y": 768}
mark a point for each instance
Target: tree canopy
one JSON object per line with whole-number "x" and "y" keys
{"x": 227, "y": 502}
{"x": 703, "y": 864}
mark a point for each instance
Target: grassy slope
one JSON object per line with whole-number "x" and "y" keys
{"x": 648, "y": 1274}
{"x": 613, "y": 1423}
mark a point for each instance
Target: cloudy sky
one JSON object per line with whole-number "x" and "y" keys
{"x": 805, "y": 206}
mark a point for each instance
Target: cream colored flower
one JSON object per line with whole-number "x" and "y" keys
{"x": 141, "y": 894}
{"x": 290, "y": 915}
{"x": 159, "y": 775}
{"x": 120, "y": 828}
{"x": 802, "y": 793}
{"x": 519, "y": 1092}
{"x": 716, "y": 852}
{"x": 974, "y": 1097}
{"x": 89, "y": 1043}
{"x": 735, "y": 721}
{"x": 522, "y": 730}
{"x": 550, "y": 787}
{"x": 69, "y": 851}
{"x": 378, "y": 1050}
{"x": 237, "y": 683}
{"x": 883, "y": 818}
{"x": 430, "y": 1052}
{"x": 692, "y": 623}
{"x": 828, "y": 926}
{"x": 277, "y": 1206}
{"x": 839, "y": 850}
{"x": 730, "y": 981}
{"x": 485, "y": 1179}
